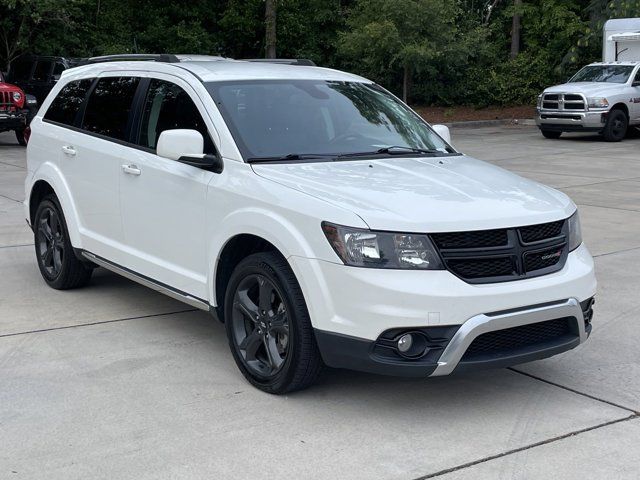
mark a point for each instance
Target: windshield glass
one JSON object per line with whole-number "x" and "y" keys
{"x": 272, "y": 119}
{"x": 603, "y": 73}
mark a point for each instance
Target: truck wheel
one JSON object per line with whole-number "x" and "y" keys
{"x": 551, "y": 134}
{"x": 21, "y": 138}
{"x": 57, "y": 262}
{"x": 616, "y": 127}
{"x": 268, "y": 325}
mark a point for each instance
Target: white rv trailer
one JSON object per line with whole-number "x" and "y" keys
{"x": 621, "y": 42}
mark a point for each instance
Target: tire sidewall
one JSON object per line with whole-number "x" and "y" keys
{"x": 263, "y": 264}
{"x": 608, "y": 133}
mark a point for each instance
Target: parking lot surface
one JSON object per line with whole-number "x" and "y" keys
{"x": 116, "y": 381}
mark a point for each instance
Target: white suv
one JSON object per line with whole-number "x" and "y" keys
{"x": 310, "y": 210}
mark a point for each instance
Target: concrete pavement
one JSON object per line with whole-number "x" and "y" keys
{"x": 117, "y": 381}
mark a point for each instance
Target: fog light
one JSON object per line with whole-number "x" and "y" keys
{"x": 405, "y": 342}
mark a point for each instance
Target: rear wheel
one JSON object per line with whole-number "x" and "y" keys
{"x": 616, "y": 127}
{"x": 22, "y": 140}
{"x": 551, "y": 134}
{"x": 268, "y": 325}
{"x": 56, "y": 260}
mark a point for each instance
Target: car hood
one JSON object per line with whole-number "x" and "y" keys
{"x": 9, "y": 87}
{"x": 425, "y": 194}
{"x": 590, "y": 89}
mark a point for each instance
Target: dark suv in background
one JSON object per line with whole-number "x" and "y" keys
{"x": 37, "y": 75}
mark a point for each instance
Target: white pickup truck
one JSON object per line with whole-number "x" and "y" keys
{"x": 602, "y": 97}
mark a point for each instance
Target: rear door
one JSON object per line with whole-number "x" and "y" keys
{"x": 91, "y": 159}
{"x": 163, "y": 201}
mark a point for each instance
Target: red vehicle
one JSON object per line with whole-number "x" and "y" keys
{"x": 16, "y": 110}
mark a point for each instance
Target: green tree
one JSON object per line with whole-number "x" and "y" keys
{"x": 385, "y": 36}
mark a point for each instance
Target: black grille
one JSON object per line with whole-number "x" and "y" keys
{"x": 543, "y": 231}
{"x": 482, "y": 267}
{"x": 510, "y": 339}
{"x": 500, "y": 255}
{"x": 481, "y": 238}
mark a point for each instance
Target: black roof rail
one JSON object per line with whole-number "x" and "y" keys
{"x": 162, "y": 57}
{"x": 284, "y": 61}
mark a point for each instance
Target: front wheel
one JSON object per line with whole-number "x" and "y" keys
{"x": 551, "y": 134}
{"x": 616, "y": 127}
{"x": 268, "y": 325}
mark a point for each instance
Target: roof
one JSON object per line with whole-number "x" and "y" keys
{"x": 630, "y": 63}
{"x": 213, "y": 69}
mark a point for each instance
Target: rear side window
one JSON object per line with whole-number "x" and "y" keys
{"x": 168, "y": 107}
{"x": 107, "y": 111}
{"x": 42, "y": 71}
{"x": 66, "y": 105}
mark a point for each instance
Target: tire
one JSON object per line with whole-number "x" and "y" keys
{"x": 616, "y": 127}
{"x": 551, "y": 134}
{"x": 58, "y": 264}
{"x": 20, "y": 137}
{"x": 268, "y": 325}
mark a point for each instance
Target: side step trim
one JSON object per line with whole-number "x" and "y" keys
{"x": 147, "y": 282}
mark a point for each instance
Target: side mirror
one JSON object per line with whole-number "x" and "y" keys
{"x": 187, "y": 146}
{"x": 444, "y": 132}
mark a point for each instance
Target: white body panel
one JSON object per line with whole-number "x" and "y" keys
{"x": 619, "y": 42}
{"x": 171, "y": 222}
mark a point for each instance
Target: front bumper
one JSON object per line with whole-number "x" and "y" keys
{"x": 12, "y": 121}
{"x": 445, "y": 356}
{"x": 569, "y": 121}
{"x": 352, "y": 307}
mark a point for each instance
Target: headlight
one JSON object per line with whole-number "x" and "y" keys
{"x": 17, "y": 96}
{"x": 575, "y": 232}
{"x": 539, "y": 101}
{"x": 366, "y": 248}
{"x": 598, "y": 102}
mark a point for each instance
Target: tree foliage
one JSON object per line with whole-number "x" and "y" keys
{"x": 440, "y": 51}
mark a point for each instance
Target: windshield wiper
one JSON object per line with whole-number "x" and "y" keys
{"x": 290, "y": 156}
{"x": 394, "y": 150}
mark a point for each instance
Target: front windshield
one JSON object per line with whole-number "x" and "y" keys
{"x": 299, "y": 119}
{"x": 603, "y": 73}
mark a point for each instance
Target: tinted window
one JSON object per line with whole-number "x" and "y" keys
{"x": 66, "y": 105}
{"x": 58, "y": 69}
{"x": 168, "y": 107}
{"x": 603, "y": 73}
{"x": 20, "y": 70}
{"x": 42, "y": 71}
{"x": 107, "y": 111}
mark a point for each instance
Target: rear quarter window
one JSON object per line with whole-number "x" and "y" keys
{"x": 66, "y": 105}
{"x": 108, "y": 107}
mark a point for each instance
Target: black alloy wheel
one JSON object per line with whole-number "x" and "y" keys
{"x": 58, "y": 264}
{"x": 268, "y": 325}
{"x": 260, "y": 325}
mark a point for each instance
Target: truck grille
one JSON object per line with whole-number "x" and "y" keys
{"x": 6, "y": 102}
{"x": 564, "y": 102}
{"x": 489, "y": 256}
{"x": 501, "y": 342}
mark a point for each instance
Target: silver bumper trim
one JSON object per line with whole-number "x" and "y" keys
{"x": 484, "y": 323}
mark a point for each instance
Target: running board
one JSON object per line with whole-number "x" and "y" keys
{"x": 147, "y": 282}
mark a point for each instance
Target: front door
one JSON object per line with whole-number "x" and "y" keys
{"x": 163, "y": 201}
{"x": 635, "y": 106}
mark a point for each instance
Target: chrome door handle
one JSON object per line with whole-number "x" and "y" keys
{"x": 68, "y": 150}
{"x": 131, "y": 170}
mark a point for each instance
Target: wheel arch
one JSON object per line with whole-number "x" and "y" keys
{"x": 621, "y": 106}
{"x": 48, "y": 180}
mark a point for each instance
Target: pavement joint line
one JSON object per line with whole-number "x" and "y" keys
{"x": 567, "y": 175}
{"x": 527, "y": 447}
{"x": 16, "y": 246}
{"x": 612, "y": 208}
{"x": 12, "y": 165}
{"x": 66, "y": 327}
{"x": 616, "y": 252}
{"x": 600, "y": 183}
{"x": 577, "y": 392}
{"x": 9, "y": 198}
